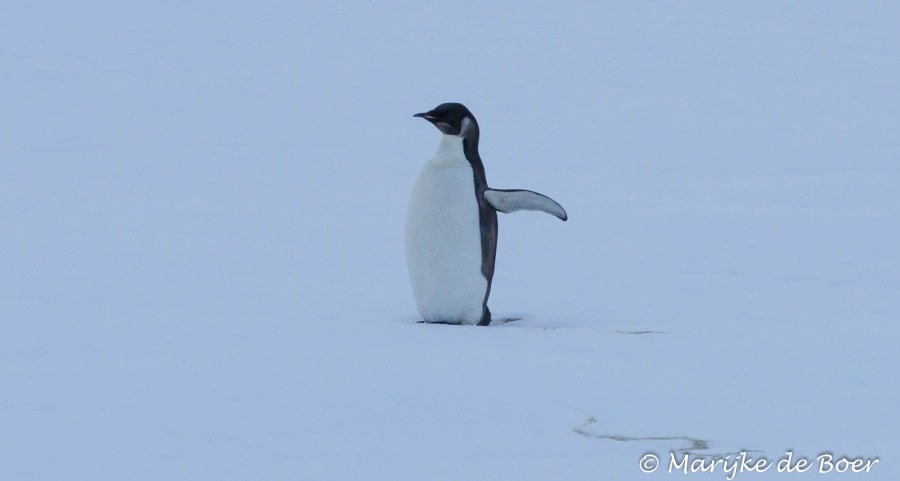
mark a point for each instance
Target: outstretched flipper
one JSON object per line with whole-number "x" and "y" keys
{"x": 507, "y": 201}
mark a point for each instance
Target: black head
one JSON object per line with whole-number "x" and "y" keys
{"x": 452, "y": 119}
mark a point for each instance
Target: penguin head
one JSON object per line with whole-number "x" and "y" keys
{"x": 452, "y": 119}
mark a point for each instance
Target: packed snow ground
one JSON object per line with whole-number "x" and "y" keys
{"x": 201, "y": 215}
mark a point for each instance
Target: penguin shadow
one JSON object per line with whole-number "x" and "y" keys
{"x": 641, "y": 333}
{"x": 522, "y": 321}
{"x": 505, "y": 320}
{"x": 550, "y": 322}
{"x": 514, "y": 321}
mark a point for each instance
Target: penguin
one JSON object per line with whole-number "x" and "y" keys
{"x": 451, "y": 223}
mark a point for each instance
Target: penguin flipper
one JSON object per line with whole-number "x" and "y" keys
{"x": 507, "y": 201}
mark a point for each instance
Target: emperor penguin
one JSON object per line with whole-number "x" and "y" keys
{"x": 451, "y": 223}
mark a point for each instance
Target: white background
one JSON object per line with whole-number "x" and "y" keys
{"x": 201, "y": 216}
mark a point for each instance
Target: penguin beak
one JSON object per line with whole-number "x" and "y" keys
{"x": 444, "y": 127}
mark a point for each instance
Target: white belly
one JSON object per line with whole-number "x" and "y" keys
{"x": 443, "y": 239}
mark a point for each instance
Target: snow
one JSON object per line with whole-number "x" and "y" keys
{"x": 201, "y": 224}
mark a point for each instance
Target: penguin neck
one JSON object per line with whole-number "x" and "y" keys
{"x": 453, "y": 143}
{"x": 450, "y": 150}
{"x": 456, "y": 151}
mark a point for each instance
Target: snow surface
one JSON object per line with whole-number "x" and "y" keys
{"x": 201, "y": 224}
